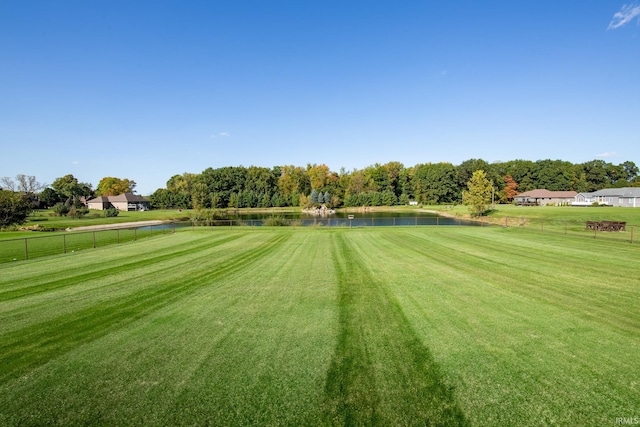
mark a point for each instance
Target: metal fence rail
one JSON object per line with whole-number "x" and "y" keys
{"x": 41, "y": 246}
{"x": 36, "y": 247}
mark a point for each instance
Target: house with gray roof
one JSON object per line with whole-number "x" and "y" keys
{"x": 122, "y": 202}
{"x": 542, "y": 197}
{"x": 625, "y": 196}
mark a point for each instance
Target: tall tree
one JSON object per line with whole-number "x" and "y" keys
{"x": 69, "y": 187}
{"x": 477, "y": 197}
{"x": 435, "y": 183}
{"x": 511, "y": 188}
{"x": 27, "y": 184}
{"x": 111, "y": 186}
{"x": 14, "y": 207}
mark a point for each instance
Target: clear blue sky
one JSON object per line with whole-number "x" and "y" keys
{"x": 148, "y": 89}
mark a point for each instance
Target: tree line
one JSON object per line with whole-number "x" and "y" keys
{"x": 66, "y": 196}
{"x": 381, "y": 184}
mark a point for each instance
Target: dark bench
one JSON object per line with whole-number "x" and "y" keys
{"x": 606, "y": 225}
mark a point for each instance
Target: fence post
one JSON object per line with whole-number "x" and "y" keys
{"x": 26, "y": 250}
{"x": 118, "y": 234}
{"x": 64, "y": 243}
{"x": 94, "y": 240}
{"x": 632, "y": 234}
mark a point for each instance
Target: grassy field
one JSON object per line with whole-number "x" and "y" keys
{"x": 553, "y": 213}
{"x": 377, "y": 326}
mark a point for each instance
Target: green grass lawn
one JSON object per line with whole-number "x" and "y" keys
{"x": 553, "y": 213}
{"x": 375, "y": 326}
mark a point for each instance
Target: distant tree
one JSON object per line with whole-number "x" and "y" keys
{"x": 327, "y": 199}
{"x": 477, "y": 197}
{"x": 304, "y": 201}
{"x": 14, "y": 207}
{"x": 631, "y": 169}
{"x": 314, "y": 197}
{"x": 48, "y": 197}
{"x": 22, "y": 184}
{"x": 161, "y": 199}
{"x": 68, "y": 186}
{"x": 318, "y": 176}
{"x": 199, "y": 195}
{"x": 510, "y": 190}
{"x": 234, "y": 200}
{"x": 436, "y": 183}
{"x": 110, "y": 186}
{"x": 389, "y": 198}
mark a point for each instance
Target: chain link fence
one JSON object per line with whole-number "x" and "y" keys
{"x": 70, "y": 242}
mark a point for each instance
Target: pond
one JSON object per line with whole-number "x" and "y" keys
{"x": 346, "y": 219}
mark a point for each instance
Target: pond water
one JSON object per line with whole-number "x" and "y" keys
{"x": 339, "y": 219}
{"x": 346, "y": 219}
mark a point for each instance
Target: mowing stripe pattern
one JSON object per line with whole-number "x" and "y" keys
{"x": 381, "y": 373}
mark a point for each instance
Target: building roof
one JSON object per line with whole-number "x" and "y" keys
{"x": 547, "y": 194}
{"x": 99, "y": 199}
{"x": 126, "y": 197}
{"x": 615, "y": 192}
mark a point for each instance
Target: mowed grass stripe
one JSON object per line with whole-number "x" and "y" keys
{"x": 27, "y": 347}
{"x": 111, "y": 283}
{"x": 251, "y": 348}
{"x": 514, "y": 357}
{"x": 11, "y": 287}
{"x": 540, "y": 267}
{"x": 381, "y": 372}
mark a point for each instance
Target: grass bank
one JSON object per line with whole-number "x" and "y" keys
{"x": 375, "y": 326}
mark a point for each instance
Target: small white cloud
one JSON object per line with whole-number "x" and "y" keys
{"x": 75, "y": 162}
{"x": 606, "y": 154}
{"x": 220, "y": 135}
{"x": 626, "y": 15}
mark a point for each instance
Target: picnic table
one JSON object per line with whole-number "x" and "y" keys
{"x": 606, "y": 225}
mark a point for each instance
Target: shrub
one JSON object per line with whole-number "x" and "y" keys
{"x": 276, "y": 221}
{"x": 111, "y": 213}
{"x": 61, "y": 209}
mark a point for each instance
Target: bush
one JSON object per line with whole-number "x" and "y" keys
{"x": 276, "y": 221}
{"x": 61, "y": 209}
{"x": 111, "y": 213}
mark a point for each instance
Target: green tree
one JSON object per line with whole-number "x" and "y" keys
{"x": 48, "y": 197}
{"x": 69, "y": 187}
{"x": 14, "y": 207}
{"x": 315, "y": 197}
{"x": 436, "y": 183}
{"x": 111, "y": 186}
{"x": 477, "y": 197}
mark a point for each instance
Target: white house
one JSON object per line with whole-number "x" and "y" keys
{"x": 541, "y": 197}
{"x": 625, "y": 196}
{"x": 122, "y": 202}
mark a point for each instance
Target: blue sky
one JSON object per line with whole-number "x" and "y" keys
{"x": 148, "y": 89}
